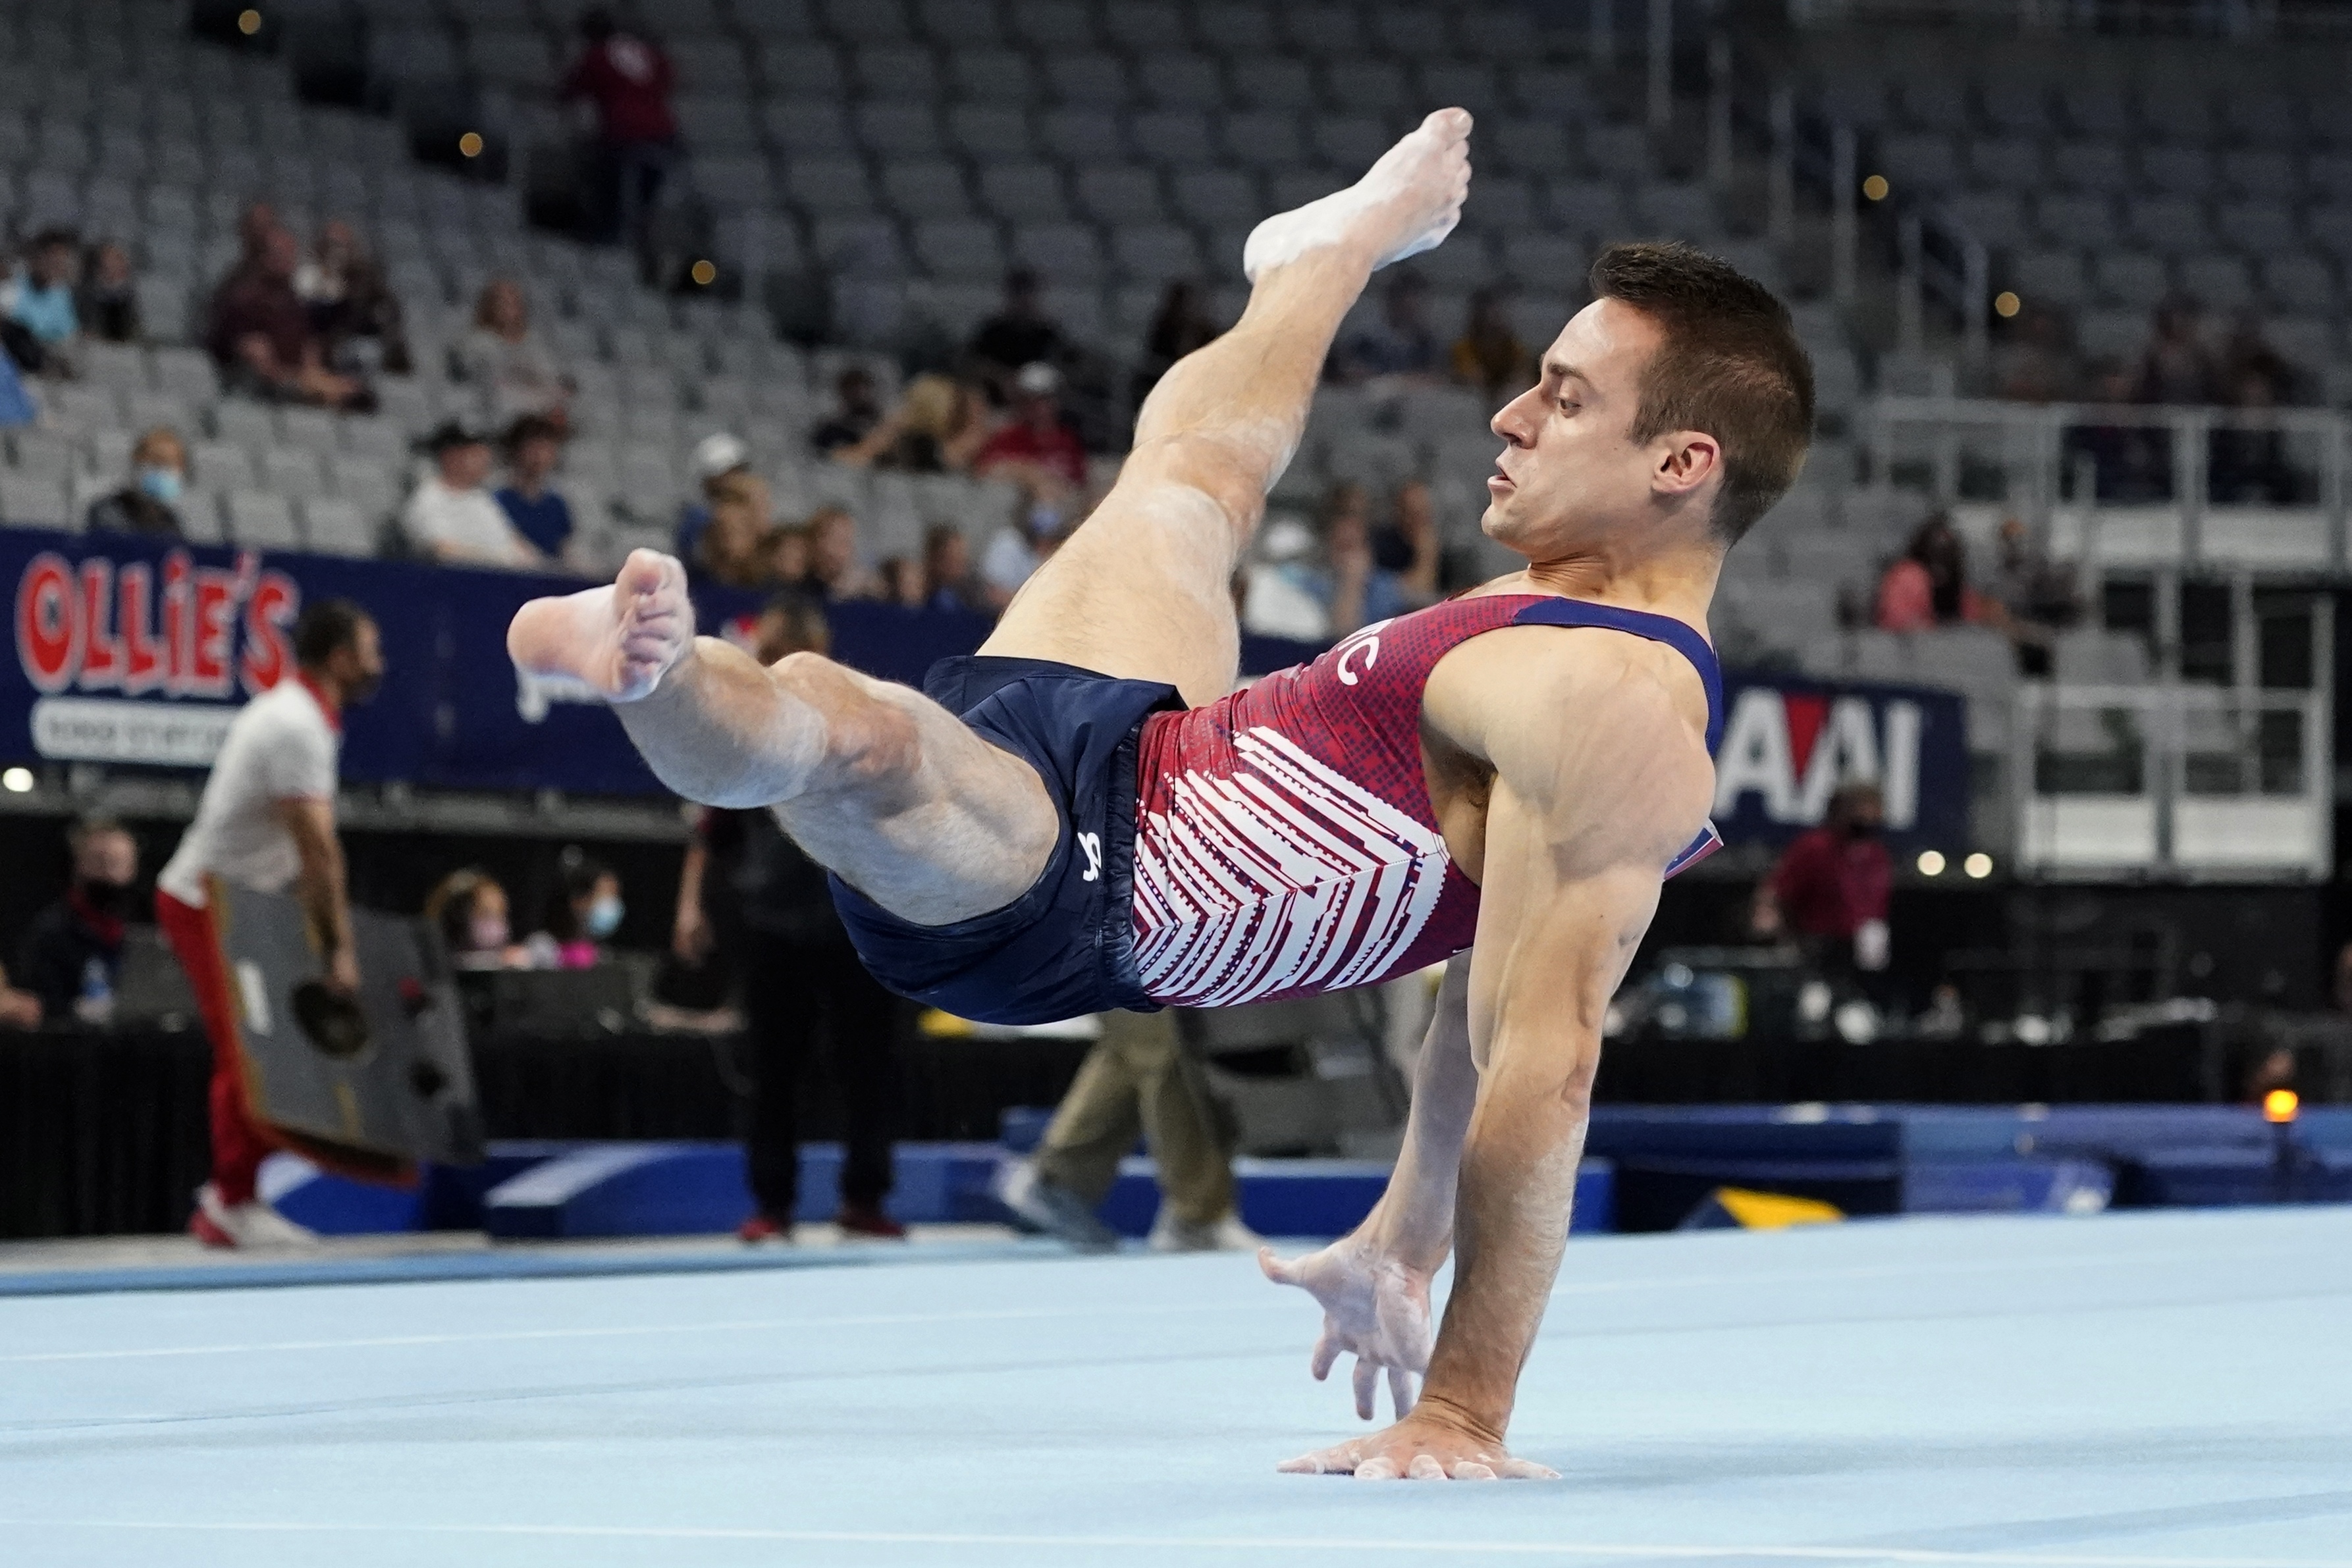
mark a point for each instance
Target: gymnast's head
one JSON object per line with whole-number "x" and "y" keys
{"x": 1670, "y": 414}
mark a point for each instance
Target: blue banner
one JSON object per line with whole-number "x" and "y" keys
{"x": 134, "y": 651}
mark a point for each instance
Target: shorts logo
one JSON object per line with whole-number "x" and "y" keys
{"x": 1092, "y": 845}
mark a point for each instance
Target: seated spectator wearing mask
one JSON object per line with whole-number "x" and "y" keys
{"x": 1831, "y": 889}
{"x": 149, "y": 503}
{"x": 262, "y": 337}
{"x": 109, "y": 296}
{"x": 451, "y": 518}
{"x": 584, "y": 912}
{"x": 72, "y": 954}
{"x": 538, "y": 510}
{"x": 39, "y": 296}
{"x": 470, "y": 910}
{"x": 352, "y": 308}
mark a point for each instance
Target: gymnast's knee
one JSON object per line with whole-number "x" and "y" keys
{"x": 870, "y": 741}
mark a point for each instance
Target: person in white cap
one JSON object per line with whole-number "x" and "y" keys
{"x": 715, "y": 457}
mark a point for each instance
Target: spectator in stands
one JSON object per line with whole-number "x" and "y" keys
{"x": 1928, "y": 586}
{"x": 733, "y": 549}
{"x": 2247, "y": 464}
{"x": 38, "y": 295}
{"x": 72, "y": 954}
{"x": 452, "y": 518}
{"x": 1019, "y": 335}
{"x": 1181, "y": 324}
{"x": 950, "y": 582}
{"x": 110, "y": 294}
{"x": 628, "y": 80}
{"x": 150, "y": 503}
{"x": 1352, "y": 587}
{"x": 2037, "y": 596}
{"x": 352, "y": 308}
{"x": 835, "y": 570}
{"x": 534, "y": 446}
{"x": 1037, "y": 449}
{"x": 17, "y": 409}
{"x": 468, "y": 908}
{"x": 18, "y": 1009}
{"x": 1016, "y": 551}
{"x": 803, "y": 990}
{"x": 2247, "y": 353}
{"x": 1488, "y": 355}
{"x": 939, "y": 427}
{"x": 899, "y": 582}
{"x": 1400, "y": 345}
{"x": 788, "y": 558}
{"x": 1409, "y": 548}
{"x": 1830, "y": 890}
{"x": 505, "y": 362}
{"x": 2129, "y": 462}
{"x": 715, "y": 457}
{"x": 857, "y": 409}
{"x": 584, "y": 912}
{"x": 2037, "y": 365}
{"x": 262, "y": 338}
{"x": 2175, "y": 367}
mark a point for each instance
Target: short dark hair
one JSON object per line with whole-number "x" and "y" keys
{"x": 327, "y": 626}
{"x": 93, "y": 825}
{"x": 532, "y": 427}
{"x": 1730, "y": 366}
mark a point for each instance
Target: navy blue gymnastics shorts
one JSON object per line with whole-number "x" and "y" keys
{"x": 1067, "y": 946}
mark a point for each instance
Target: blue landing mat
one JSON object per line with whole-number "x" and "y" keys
{"x": 2145, "y": 1391}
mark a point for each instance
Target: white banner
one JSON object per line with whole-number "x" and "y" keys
{"x": 103, "y": 729}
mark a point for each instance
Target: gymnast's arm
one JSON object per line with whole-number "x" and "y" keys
{"x": 1579, "y": 829}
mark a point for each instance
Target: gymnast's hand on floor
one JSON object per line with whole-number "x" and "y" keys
{"x": 619, "y": 640}
{"x": 1374, "y": 1308}
{"x": 1426, "y": 1445}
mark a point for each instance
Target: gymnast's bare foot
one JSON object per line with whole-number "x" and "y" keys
{"x": 1404, "y": 205}
{"x": 1423, "y": 1446}
{"x": 619, "y": 640}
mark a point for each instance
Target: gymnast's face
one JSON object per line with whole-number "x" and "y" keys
{"x": 1571, "y": 480}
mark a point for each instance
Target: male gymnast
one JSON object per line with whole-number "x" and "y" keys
{"x": 1086, "y": 815}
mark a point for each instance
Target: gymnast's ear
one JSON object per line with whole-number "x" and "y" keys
{"x": 1686, "y": 461}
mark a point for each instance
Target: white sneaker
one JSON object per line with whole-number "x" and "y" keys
{"x": 1039, "y": 1204}
{"x": 250, "y": 1225}
{"x": 1169, "y": 1234}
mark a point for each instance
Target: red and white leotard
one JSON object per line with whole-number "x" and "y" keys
{"x": 1285, "y": 844}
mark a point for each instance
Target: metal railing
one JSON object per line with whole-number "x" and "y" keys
{"x": 2264, "y": 489}
{"x": 2172, "y": 780}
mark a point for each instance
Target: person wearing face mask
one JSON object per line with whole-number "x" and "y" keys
{"x": 73, "y": 951}
{"x": 470, "y": 910}
{"x": 150, "y": 503}
{"x": 581, "y": 916}
{"x": 1830, "y": 890}
{"x": 267, "y": 821}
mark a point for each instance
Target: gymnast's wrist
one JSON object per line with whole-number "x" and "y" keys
{"x": 1409, "y": 1241}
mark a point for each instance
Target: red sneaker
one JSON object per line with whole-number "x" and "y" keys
{"x": 758, "y": 1229}
{"x": 867, "y": 1219}
{"x": 202, "y": 1226}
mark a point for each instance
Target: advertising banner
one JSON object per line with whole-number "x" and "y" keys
{"x": 132, "y": 652}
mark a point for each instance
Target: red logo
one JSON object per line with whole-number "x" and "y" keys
{"x": 139, "y": 630}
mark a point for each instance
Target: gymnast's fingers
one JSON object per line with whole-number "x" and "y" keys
{"x": 1281, "y": 1270}
{"x": 1424, "y": 1467}
{"x": 1367, "y": 1381}
{"x": 1379, "y": 1467}
{"x": 1527, "y": 1470}
{"x": 1326, "y": 1350}
{"x": 1400, "y": 1392}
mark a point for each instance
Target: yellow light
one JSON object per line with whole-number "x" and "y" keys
{"x": 1875, "y": 187}
{"x": 2280, "y": 1105}
{"x": 1978, "y": 865}
{"x": 470, "y": 145}
{"x": 703, "y": 272}
{"x": 249, "y": 21}
{"x": 1931, "y": 863}
{"x": 17, "y": 780}
{"x": 2006, "y": 304}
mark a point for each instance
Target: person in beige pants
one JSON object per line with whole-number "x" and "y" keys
{"x": 1137, "y": 1078}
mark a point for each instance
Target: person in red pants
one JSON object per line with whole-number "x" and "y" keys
{"x": 267, "y": 822}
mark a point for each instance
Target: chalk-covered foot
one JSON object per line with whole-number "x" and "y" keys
{"x": 1404, "y": 205}
{"x": 619, "y": 640}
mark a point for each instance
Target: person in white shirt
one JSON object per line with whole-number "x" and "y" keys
{"x": 453, "y": 518}
{"x": 267, "y": 822}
